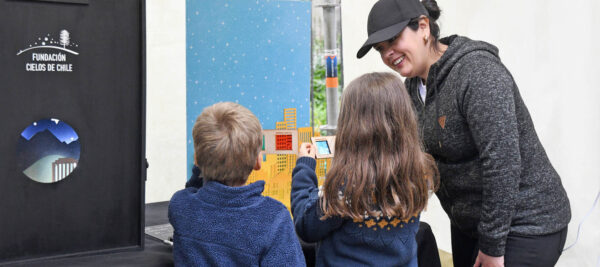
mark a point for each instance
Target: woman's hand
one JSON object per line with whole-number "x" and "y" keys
{"x": 484, "y": 260}
{"x": 307, "y": 150}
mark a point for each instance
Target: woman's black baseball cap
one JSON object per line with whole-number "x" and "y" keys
{"x": 388, "y": 18}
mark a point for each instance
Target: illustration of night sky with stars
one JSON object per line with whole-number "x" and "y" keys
{"x": 62, "y": 131}
{"x": 48, "y": 150}
{"x": 255, "y": 53}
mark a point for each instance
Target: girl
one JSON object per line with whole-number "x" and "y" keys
{"x": 380, "y": 180}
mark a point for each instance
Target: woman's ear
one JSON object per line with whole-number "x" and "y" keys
{"x": 424, "y": 24}
{"x": 424, "y": 28}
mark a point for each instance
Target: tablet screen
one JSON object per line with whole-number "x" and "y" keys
{"x": 323, "y": 147}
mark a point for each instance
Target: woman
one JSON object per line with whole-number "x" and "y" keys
{"x": 505, "y": 201}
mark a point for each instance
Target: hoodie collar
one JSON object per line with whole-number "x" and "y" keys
{"x": 226, "y": 196}
{"x": 458, "y": 46}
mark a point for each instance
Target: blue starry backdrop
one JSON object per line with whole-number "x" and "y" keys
{"x": 255, "y": 53}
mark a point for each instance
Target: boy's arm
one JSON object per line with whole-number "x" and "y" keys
{"x": 305, "y": 203}
{"x": 285, "y": 249}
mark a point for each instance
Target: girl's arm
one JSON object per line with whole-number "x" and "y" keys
{"x": 305, "y": 203}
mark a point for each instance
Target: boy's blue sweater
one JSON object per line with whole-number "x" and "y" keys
{"x": 218, "y": 225}
{"x": 372, "y": 241}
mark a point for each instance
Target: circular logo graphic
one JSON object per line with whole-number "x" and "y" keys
{"x": 48, "y": 150}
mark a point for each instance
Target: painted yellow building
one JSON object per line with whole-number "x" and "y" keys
{"x": 323, "y": 165}
{"x": 304, "y": 135}
{"x": 277, "y": 169}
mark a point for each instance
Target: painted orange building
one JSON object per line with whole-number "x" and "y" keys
{"x": 277, "y": 167}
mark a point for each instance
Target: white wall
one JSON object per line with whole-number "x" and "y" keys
{"x": 165, "y": 100}
{"x": 551, "y": 48}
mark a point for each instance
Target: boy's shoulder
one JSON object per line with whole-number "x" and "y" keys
{"x": 273, "y": 204}
{"x": 184, "y": 193}
{"x": 271, "y": 211}
{"x": 182, "y": 199}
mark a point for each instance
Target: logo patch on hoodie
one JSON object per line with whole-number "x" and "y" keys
{"x": 442, "y": 121}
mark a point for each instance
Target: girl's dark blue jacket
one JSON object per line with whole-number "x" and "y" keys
{"x": 372, "y": 241}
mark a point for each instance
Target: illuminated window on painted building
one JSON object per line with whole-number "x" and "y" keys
{"x": 283, "y": 142}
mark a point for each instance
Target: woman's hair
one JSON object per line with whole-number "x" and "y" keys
{"x": 379, "y": 163}
{"x": 434, "y": 14}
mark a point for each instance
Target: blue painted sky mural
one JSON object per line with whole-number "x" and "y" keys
{"x": 255, "y": 53}
{"x": 61, "y": 130}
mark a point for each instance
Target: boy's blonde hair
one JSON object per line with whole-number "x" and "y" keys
{"x": 227, "y": 141}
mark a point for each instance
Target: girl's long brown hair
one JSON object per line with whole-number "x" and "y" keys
{"x": 379, "y": 163}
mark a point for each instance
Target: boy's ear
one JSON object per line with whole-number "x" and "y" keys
{"x": 258, "y": 162}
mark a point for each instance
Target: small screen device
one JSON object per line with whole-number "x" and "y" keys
{"x": 325, "y": 146}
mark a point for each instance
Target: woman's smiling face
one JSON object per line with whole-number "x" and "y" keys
{"x": 406, "y": 53}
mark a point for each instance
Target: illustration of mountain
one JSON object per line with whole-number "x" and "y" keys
{"x": 44, "y": 144}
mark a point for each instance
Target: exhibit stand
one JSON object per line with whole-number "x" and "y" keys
{"x": 72, "y": 106}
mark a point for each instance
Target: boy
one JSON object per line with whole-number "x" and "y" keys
{"x": 224, "y": 222}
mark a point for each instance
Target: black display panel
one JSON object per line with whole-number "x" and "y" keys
{"x": 84, "y": 64}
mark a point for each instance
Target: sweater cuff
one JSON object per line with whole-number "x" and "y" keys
{"x": 492, "y": 247}
{"x": 308, "y": 161}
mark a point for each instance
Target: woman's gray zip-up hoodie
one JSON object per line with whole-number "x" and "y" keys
{"x": 495, "y": 176}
